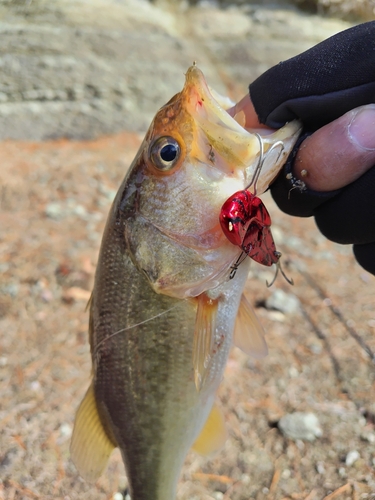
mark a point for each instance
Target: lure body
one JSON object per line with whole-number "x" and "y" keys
{"x": 246, "y": 223}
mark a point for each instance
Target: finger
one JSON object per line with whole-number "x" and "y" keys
{"x": 338, "y": 153}
{"x": 365, "y": 255}
{"x": 244, "y": 113}
{"x": 349, "y": 217}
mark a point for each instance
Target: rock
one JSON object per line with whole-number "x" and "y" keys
{"x": 320, "y": 468}
{"x": 218, "y": 495}
{"x": 10, "y": 289}
{"x": 368, "y": 436}
{"x": 342, "y": 472}
{"x": 351, "y": 458}
{"x": 287, "y": 303}
{"x": 118, "y": 496}
{"x": 81, "y": 69}
{"x": 299, "y": 425}
{"x": 65, "y": 430}
{"x": 54, "y": 211}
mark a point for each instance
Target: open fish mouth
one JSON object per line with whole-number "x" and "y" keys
{"x": 230, "y": 146}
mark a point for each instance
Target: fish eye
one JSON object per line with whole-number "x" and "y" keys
{"x": 165, "y": 153}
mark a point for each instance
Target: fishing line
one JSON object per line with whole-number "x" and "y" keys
{"x": 137, "y": 324}
{"x": 262, "y": 158}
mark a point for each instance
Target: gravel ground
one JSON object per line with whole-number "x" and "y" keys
{"x": 67, "y": 71}
{"x": 53, "y": 203}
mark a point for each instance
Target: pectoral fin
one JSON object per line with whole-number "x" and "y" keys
{"x": 204, "y": 337}
{"x": 90, "y": 447}
{"x": 213, "y": 434}
{"x": 248, "y": 332}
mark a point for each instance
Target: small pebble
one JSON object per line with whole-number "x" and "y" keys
{"x": 81, "y": 211}
{"x": 320, "y": 468}
{"x": 300, "y": 425}
{"x": 286, "y": 473}
{"x": 284, "y": 302}
{"x": 342, "y": 472}
{"x": 300, "y": 444}
{"x": 10, "y": 289}
{"x": 245, "y": 479}
{"x": 351, "y": 458}
{"x": 46, "y": 295}
{"x": 35, "y": 386}
{"x": 218, "y": 495}
{"x": 118, "y": 496}
{"x": 54, "y": 211}
{"x": 65, "y": 430}
{"x": 316, "y": 348}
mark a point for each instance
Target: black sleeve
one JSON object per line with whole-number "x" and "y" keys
{"x": 320, "y": 84}
{"x": 317, "y": 87}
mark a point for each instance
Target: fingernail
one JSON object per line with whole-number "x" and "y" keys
{"x": 362, "y": 127}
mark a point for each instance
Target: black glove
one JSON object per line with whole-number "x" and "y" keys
{"x": 317, "y": 87}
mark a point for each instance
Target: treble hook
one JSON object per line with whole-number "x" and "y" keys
{"x": 279, "y": 268}
{"x": 236, "y": 265}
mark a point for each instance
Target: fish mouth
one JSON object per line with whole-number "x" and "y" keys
{"x": 220, "y": 140}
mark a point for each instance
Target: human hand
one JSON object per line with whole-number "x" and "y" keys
{"x": 332, "y": 157}
{"x": 331, "y": 173}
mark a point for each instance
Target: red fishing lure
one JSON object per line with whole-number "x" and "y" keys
{"x": 246, "y": 223}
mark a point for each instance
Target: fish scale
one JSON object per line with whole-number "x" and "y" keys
{"x": 132, "y": 356}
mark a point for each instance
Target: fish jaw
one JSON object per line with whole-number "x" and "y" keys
{"x": 237, "y": 149}
{"x": 218, "y": 138}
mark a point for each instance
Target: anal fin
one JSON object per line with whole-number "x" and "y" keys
{"x": 248, "y": 332}
{"x": 213, "y": 435}
{"x": 90, "y": 446}
{"x": 204, "y": 337}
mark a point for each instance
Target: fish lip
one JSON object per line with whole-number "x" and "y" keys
{"x": 242, "y": 146}
{"x": 221, "y": 142}
{"x": 196, "y": 88}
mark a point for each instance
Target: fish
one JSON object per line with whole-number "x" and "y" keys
{"x": 163, "y": 309}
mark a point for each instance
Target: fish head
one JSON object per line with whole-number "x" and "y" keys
{"x": 193, "y": 157}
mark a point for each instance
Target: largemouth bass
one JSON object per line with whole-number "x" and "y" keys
{"x": 163, "y": 309}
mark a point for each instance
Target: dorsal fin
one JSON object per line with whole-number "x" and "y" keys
{"x": 213, "y": 434}
{"x": 204, "y": 337}
{"x": 90, "y": 447}
{"x": 248, "y": 332}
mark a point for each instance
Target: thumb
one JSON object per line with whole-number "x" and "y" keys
{"x": 338, "y": 153}
{"x": 244, "y": 113}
